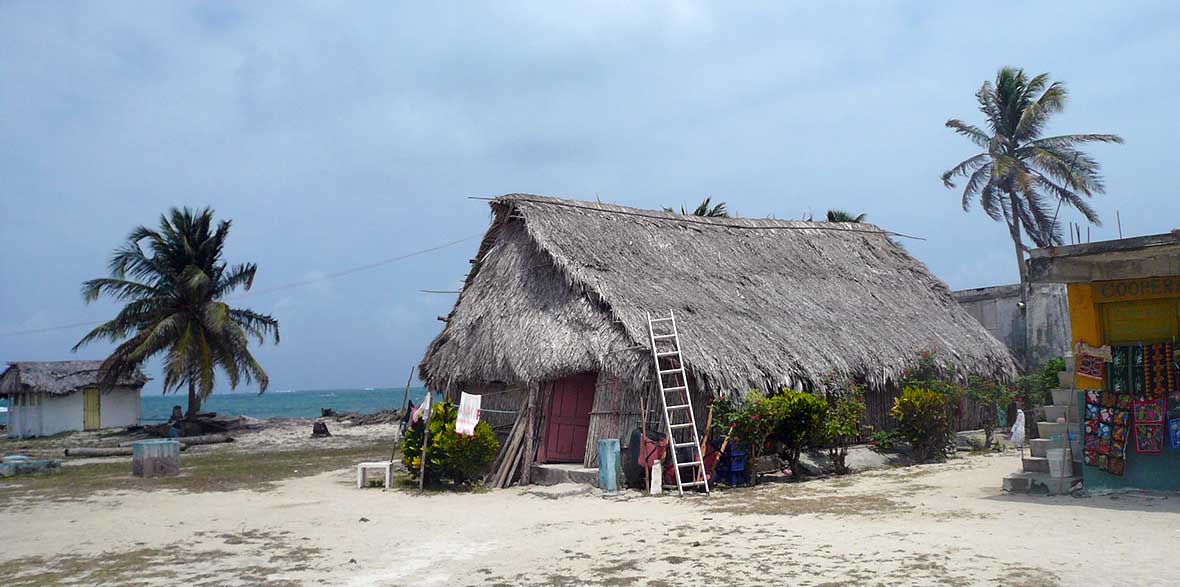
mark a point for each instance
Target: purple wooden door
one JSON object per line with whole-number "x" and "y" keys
{"x": 567, "y": 421}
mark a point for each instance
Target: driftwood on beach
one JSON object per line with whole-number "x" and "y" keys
{"x": 124, "y": 449}
{"x": 111, "y": 451}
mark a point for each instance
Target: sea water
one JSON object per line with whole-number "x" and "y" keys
{"x": 276, "y": 404}
{"x": 284, "y": 404}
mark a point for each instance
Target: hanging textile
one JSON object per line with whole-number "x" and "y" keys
{"x": 1159, "y": 373}
{"x": 1173, "y": 405}
{"x": 1174, "y": 434}
{"x": 1108, "y": 419}
{"x": 1149, "y": 412}
{"x": 1091, "y": 361}
{"x": 1149, "y": 438}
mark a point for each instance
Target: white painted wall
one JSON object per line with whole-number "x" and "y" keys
{"x": 45, "y": 415}
{"x": 61, "y": 413}
{"x": 120, "y": 408}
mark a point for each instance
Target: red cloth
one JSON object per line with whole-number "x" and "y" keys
{"x": 651, "y": 451}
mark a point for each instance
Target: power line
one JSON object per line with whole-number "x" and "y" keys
{"x": 285, "y": 286}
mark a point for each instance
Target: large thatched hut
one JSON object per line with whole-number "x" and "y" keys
{"x": 553, "y": 315}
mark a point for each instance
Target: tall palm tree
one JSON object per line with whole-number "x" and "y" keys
{"x": 704, "y": 209}
{"x": 835, "y": 215}
{"x": 1021, "y": 177}
{"x": 174, "y": 306}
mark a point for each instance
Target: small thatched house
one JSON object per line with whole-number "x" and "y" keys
{"x": 555, "y": 308}
{"x": 50, "y": 397}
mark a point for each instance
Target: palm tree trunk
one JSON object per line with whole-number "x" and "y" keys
{"x": 1018, "y": 243}
{"x": 194, "y": 402}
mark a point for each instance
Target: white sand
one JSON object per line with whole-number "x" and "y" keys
{"x": 932, "y": 525}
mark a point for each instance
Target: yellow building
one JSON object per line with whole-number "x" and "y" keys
{"x": 1125, "y": 294}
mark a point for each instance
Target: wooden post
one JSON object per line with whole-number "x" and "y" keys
{"x": 406, "y": 395}
{"x": 405, "y": 399}
{"x": 425, "y": 443}
{"x": 530, "y": 447}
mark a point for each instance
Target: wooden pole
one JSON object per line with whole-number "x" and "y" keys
{"x": 1119, "y": 219}
{"x": 405, "y": 398}
{"x": 425, "y": 443}
{"x": 529, "y": 436}
{"x": 643, "y": 438}
{"x": 705, "y": 439}
{"x": 406, "y": 395}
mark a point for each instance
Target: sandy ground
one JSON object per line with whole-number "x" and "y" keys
{"x": 945, "y": 524}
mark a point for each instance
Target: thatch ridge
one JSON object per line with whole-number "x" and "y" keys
{"x": 760, "y": 302}
{"x": 58, "y": 377}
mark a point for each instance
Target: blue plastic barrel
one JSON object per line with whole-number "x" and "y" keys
{"x": 608, "y": 465}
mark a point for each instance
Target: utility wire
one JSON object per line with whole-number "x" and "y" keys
{"x": 285, "y": 286}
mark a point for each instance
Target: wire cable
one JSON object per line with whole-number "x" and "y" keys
{"x": 282, "y": 287}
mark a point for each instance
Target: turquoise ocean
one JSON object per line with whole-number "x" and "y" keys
{"x": 278, "y": 404}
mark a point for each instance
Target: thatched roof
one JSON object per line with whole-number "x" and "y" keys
{"x": 57, "y": 377}
{"x": 562, "y": 286}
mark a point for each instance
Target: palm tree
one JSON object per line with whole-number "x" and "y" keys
{"x": 174, "y": 306}
{"x": 1022, "y": 177}
{"x": 704, "y": 209}
{"x": 835, "y": 215}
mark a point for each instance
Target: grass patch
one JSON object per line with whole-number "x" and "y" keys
{"x": 213, "y": 471}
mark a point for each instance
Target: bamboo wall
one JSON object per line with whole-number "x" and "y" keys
{"x": 615, "y": 413}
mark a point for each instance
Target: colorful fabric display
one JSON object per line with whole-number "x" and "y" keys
{"x": 1105, "y": 433}
{"x": 1174, "y": 405}
{"x": 1149, "y": 412}
{"x": 1138, "y": 369}
{"x": 1159, "y": 375}
{"x": 1120, "y": 369}
{"x": 1149, "y": 438}
{"x": 1091, "y": 361}
{"x": 1174, "y": 434}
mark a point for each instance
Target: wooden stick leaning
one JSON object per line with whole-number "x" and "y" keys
{"x": 405, "y": 400}
{"x": 705, "y": 440}
{"x": 425, "y": 443}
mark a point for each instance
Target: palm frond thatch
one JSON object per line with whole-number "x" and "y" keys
{"x": 563, "y": 286}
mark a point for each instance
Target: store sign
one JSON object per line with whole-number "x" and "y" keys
{"x": 1137, "y": 289}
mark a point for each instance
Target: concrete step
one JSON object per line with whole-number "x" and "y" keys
{"x": 1052, "y": 413}
{"x": 1036, "y": 465}
{"x": 1049, "y": 429}
{"x": 560, "y": 473}
{"x": 1065, "y": 378}
{"x": 1064, "y": 397}
{"x": 1040, "y": 483}
{"x": 1038, "y": 446}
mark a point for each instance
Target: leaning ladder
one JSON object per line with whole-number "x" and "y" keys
{"x": 681, "y": 421}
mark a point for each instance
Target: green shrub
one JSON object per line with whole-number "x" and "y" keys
{"x": 749, "y": 419}
{"x": 842, "y": 426}
{"x": 885, "y": 439}
{"x": 922, "y": 421}
{"x": 798, "y": 419}
{"x": 449, "y": 456}
{"x": 989, "y": 398}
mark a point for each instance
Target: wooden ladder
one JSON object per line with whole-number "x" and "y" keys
{"x": 674, "y": 396}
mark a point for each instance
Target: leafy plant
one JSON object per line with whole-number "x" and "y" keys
{"x": 922, "y": 421}
{"x": 835, "y": 215}
{"x": 450, "y": 456}
{"x": 842, "y": 426}
{"x": 749, "y": 418}
{"x": 989, "y": 398}
{"x": 798, "y": 419}
{"x": 886, "y": 439}
{"x": 705, "y": 208}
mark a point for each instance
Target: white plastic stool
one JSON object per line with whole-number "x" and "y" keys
{"x": 387, "y": 466}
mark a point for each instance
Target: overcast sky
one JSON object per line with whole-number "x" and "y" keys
{"x": 338, "y": 136}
